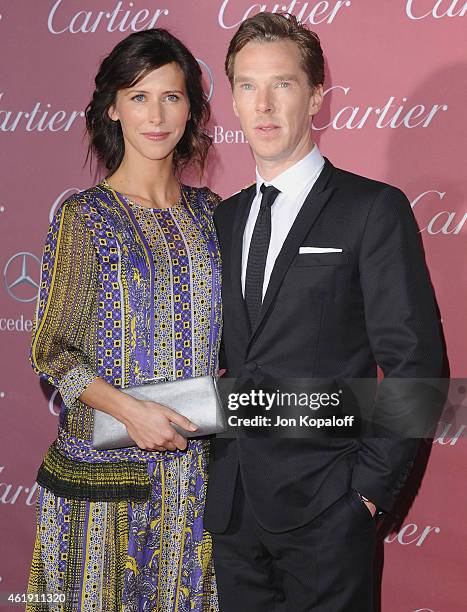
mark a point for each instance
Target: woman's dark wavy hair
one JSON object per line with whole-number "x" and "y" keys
{"x": 130, "y": 61}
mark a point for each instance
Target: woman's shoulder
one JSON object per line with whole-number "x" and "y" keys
{"x": 81, "y": 202}
{"x": 208, "y": 197}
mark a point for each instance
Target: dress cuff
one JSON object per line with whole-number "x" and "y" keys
{"x": 75, "y": 382}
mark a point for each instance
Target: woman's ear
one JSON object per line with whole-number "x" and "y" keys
{"x": 112, "y": 112}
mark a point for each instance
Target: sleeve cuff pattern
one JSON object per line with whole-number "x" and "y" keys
{"x": 75, "y": 382}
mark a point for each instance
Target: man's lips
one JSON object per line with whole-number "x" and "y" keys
{"x": 267, "y": 128}
{"x": 156, "y": 136}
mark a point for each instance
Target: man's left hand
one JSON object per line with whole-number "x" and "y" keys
{"x": 371, "y": 507}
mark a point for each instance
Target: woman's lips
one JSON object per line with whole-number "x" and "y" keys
{"x": 156, "y": 136}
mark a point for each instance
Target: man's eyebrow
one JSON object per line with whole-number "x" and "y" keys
{"x": 285, "y": 77}
{"x": 243, "y": 77}
{"x": 275, "y": 77}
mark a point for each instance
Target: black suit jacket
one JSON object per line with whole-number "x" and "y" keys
{"x": 325, "y": 315}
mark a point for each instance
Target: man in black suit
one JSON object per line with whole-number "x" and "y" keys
{"x": 324, "y": 277}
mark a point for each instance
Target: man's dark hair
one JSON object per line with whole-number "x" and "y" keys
{"x": 273, "y": 27}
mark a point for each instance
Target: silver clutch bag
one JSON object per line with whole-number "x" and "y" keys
{"x": 195, "y": 398}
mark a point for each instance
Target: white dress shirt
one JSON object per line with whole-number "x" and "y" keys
{"x": 294, "y": 185}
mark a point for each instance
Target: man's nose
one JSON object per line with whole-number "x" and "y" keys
{"x": 264, "y": 102}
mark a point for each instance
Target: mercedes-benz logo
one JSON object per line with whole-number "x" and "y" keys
{"x": 210, "y": 78}
{"x": 19, "y": 274}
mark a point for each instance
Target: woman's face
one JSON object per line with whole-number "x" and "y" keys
{"x": 153, "y": 113}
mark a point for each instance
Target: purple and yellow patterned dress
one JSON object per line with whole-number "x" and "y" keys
{"x": 128, "y": 294}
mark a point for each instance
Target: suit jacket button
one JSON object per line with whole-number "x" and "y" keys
{"x": 252, "y": 366}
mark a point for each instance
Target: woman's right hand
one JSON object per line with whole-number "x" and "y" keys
{"x": 149, "y": 425}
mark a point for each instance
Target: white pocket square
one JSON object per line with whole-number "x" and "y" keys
{"x": 311, "y": 249}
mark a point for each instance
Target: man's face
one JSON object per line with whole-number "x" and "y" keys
{"x": 274, "y": 102}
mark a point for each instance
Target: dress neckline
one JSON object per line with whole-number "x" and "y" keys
{"x": 132, "y": 202}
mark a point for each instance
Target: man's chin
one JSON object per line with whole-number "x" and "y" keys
{"x": 269, "y": 153}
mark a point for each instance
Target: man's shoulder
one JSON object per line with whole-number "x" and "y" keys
{"x": 227, "y": 207}
{"x": 362, "y": 185}
{"x": 366, "y": 196}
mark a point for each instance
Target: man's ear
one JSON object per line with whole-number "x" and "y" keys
{"x": 234, "y": 106}
{"x": 316, "y": 100}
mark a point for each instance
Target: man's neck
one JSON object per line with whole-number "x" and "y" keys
{"x": 270, "y": 169}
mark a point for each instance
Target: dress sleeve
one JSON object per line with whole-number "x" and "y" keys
{"x": 62, "y": 344}
{"x": 212, "y": 199}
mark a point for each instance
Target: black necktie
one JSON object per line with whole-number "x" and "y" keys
{"x": 258, "y": 253}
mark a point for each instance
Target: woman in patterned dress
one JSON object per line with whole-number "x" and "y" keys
{"x": 130, "y": 292}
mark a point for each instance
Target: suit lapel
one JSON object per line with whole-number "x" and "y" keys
{"x": 315, "y": 201}
{"x": 246, "y": 198}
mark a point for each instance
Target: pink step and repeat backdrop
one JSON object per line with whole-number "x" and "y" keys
{"x": 395, "y": 110}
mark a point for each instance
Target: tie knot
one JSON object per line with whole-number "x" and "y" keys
{"x": 270, "y": 193}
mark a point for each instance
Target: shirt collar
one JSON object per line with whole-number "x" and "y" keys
{"x": 293, "y": 180}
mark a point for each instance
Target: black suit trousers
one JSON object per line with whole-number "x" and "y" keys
{"x": 323, "y": 566}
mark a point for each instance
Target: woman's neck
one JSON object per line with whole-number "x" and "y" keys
{"x": 152, "y": 184}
